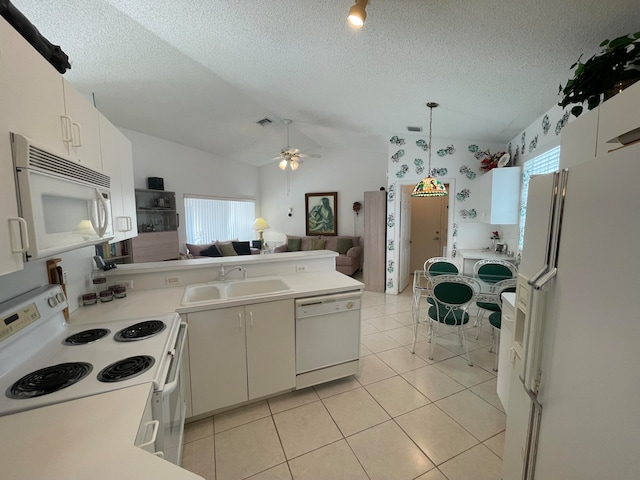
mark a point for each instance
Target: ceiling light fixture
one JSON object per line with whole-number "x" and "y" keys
{"x": 357, "y": 14}
{"x": 429, "y": 186}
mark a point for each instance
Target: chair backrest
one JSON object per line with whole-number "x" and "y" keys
{"x": 508, "y": 285}
{"x": 492, "y": 271}
{"x": 440, "y": 266}
{"x": 454, "y": 290}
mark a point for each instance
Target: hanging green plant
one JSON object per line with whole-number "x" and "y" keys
{"x": 606, "y": 73}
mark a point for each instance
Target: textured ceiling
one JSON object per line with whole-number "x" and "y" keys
{"x": 202, "y": 72}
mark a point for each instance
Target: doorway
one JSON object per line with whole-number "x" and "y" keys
{"x": 429, "y": 228}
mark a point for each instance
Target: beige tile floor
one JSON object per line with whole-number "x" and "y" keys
{"x": 403, "y": 417}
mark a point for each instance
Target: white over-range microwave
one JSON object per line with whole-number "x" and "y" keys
{"x": 62, "y": 205}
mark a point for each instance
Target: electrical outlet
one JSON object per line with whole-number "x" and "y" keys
{"x": 176, "y": 280}
{"x": 301, "y": 268}
{"x": 65, "y": 277}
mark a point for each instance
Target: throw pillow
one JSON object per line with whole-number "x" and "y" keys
{"x": 212, "y": 251}
{"x": 195, "y": 248}
{"x": 227, "y": 249}
{"x": 344, "y": 244}
{"x": 317, "y": 244}
{"x": 242, "y": 248}
{"x": 293, "y": 244}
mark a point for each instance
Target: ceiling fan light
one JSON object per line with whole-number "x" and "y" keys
{"x": 357, "y": 14}
{"x": 294, "y": 164}
{"x": 283, "y": 164}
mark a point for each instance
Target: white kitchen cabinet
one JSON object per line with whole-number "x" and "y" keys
{"x": 618, "y": 115}
{"x": 579, "y": 139}
{"x": 505, "y": 349}
{"x": 240, "y": 353}
{"x": 500, "y": 196}
{"x": 38, "y": 103}
{"x": 117, "y": 162}
{"x": 81, "y": 125}
{"x": 517, "y": 422}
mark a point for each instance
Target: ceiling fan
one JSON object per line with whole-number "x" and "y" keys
{"x": 290, "y": 157}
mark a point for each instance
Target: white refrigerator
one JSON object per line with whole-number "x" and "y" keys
{"x": 574, "y": 398}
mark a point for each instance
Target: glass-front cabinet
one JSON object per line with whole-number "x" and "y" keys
{"x": 156, "y": 211}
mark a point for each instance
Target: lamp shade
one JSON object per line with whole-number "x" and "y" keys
{"x": 429, "y": 187}
{"x": 260, "y": 224}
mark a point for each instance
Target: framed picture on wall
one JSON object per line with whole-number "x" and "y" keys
{"x": 322, "y": 213}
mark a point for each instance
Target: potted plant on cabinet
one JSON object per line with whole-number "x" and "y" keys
{"x": 606, "y": 73}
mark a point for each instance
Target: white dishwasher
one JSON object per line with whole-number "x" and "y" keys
{"x": 327, "y": 337}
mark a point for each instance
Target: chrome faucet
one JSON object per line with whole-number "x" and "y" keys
{"x": 223, "y": 272}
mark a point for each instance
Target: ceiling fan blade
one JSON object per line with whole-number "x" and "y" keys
{"x": 312, "y": 155}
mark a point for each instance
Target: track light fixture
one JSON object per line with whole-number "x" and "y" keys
{"x": 357, "y": 14}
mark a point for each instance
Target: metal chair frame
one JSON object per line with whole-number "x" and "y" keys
{"x": 422, "y": 280}
{"x": 490, "y": 278}
{"x": 448, "y": 309}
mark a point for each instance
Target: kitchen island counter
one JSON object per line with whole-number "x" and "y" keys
{"x": 88, "y": 438}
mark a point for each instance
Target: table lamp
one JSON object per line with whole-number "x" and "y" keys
{"x": 260, "y": 225}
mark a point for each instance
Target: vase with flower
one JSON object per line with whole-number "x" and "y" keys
{"x": 495, "y": 238}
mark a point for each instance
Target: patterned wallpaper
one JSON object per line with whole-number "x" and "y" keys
{"x": 456, "y": 162}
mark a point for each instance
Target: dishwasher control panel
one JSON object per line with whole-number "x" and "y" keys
{"x": 324, "y": 305}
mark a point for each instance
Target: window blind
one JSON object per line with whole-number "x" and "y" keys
{"x": 209, "y": 219}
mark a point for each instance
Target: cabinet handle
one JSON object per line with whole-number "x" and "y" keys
{"x": 66, "y": 128}
{"x": 129, "y": 224}
{"x": 75, "y": 127}
{"x": 24, "y": 237}
{"x": 240, "y": 320}
{"x": 251, "y": 319}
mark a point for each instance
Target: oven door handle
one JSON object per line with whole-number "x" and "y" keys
{"x": 156, "y": 425}
{"x": 171, "y": 385}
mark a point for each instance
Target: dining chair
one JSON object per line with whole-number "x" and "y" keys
{"x": 452, "y": 295}
{"x": 491, "y": 272}
{"x": 494, "y": 305}
{"x": 433, "y": 267}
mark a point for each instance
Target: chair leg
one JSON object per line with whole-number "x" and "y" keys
{"x": 497, "y": 335}
{"x": 479, "y": 319}
{"x": 416, "y": 319}
{"x": 432, "y": 334}
{"x": 466, "y": 348}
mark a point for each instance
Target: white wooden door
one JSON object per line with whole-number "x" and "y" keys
{"x": 217, "y": 358}
{"x": 405, "y": 238}
{"x": 32, "y": 97}
{"x": 85, "y": 130}
{"x": 270, "y": 347}
{"x": 117, "y": 162}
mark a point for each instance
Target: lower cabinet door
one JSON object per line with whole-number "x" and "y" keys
{"x": 270, "y": 347}
{"x": 217, "y": 359}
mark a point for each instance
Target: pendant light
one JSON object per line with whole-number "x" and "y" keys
{"x": 429, "y": 186}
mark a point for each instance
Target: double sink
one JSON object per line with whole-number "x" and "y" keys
{"x": 228, "y": 290}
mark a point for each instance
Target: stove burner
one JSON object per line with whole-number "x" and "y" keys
{"x": 126, "y": 368}
{"x": 49, "y": 379}
{"x": 140, "y": 331}
{"x": 86, "y": 336}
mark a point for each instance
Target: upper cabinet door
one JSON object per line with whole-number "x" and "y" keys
{"x": 500, "y": 196}
{"x": 82, "y": 127}
{"x": 117, "y": 162}
{"x": 32, "y": 97}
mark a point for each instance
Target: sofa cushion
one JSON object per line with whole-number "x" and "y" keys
{"x": 212, "y": 251}
{"x": 317, "y": 244}
{"x": 343, "y": 245}
{"x": 227, "y": 249}
{"x": 242, "y": 248}
{"x": 305, "y": 242}
{"x": 294, "y": 244}
{"x": 195, "y": 249}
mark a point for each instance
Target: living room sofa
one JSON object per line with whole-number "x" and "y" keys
{"x": 348, "y": 248}
{"x": 220, "y": 249}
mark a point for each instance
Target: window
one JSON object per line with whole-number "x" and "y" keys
{"x": 548, "y": 162}
{"x": 209, "y": 219}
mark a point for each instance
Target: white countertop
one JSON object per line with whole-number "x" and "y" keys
{"x": 481, "y": 254}
{"x": 165, "y": 300}
{"x": 89, "y": 438}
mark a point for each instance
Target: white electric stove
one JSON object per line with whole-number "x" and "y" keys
{"x": 44, "y": 360}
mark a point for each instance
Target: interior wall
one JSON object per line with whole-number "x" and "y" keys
{"x": 187, "y": 170}
{"x": 348, "y": 172}
{"x": 452, "y": 161}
